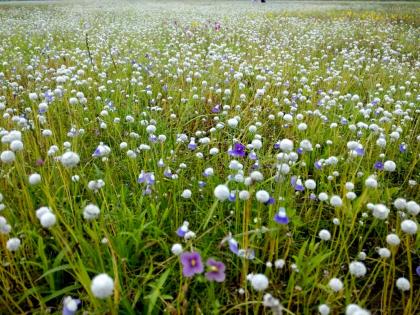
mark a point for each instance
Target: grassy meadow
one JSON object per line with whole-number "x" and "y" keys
{"x": 199, "y": 157}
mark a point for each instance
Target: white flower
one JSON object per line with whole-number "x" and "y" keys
{"x": 102, "y": 286}
{"x": 380, "y": 211}
{"x": 409, "y": 226}
{"x": 34, "y": 179}
{"x": 70, "y": 159}
{"x": 393, "y": 239}
{"x": 384, "y": 252}
{"x": 413, "y": 207}
{"x": 48, "y": 220}
{"x": 16, "y": 145}
{"x": 91, "y": 212}
{"x": 351, "y": 195}
{"x": 257, "y": 176}
{"x": 70, "y": 304}
{"x": 279, "y": 263}
{"x": 13, "y": 244}
{"x": 390, "y": 166}
{"x": 286, "y": 145}
{"x": 259, "y": 282}
{"x": 324, "y": 235}
{"x": 336, "y": 201}
{"x": 353, "y": 309}
{"x": 7, "y": 157}
{"x": 244, "y": 195}
{"x": 403, "y": 284}
{"x": 233, "y": 122}
{"x": 262, "y": 196}
{"x": 177, "y": 249}
{"x": 323, "y": 196}
{"x": 186, "y": 194}
{"x": 323, "y": 309}
{"x": 221, "y": 192}
{"x": 310, "y": 184}
{"x": 357, "y": 269}
{"x": 371, "y": 182}
{"x": 335, "y": 284}
{"x": 349, "y": 186}
{"x": 400, "y": 203}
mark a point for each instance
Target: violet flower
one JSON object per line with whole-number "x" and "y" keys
{"x": 238, "y": 150}
{"x": 216, "y": 271}
{"x": 281, "y": 216}
{"x": 191, "y": 263}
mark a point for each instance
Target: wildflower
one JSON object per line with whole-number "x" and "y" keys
{"x": 380, "y": 211}
{"x": 191, "y": 262}
{"x": 216, "y": 271}
{"x": 101, "y": 151}
{"x": 403, "y": 284}
{"x": 378, "y": 165}
{"x": 393, "y": 239}
{"x": 371, "y": 182}
{"x": 16, "y": 145}
{"x": 244, "y": 195}
{"x": 279, "y": 263}
{"x": 281, "y": 217}
{"x": 70, "y": 159}
{"x": 353, "y": 309}
{"x": 146, "y": 177}
{"x": 238, "y": 150}
{"x": 91, "y": 212}
{"x": 357, "y": 269}
{"x": 102, "y": 286}
{"x": 323, "y": 309}
{"x": 176, "y": 249}
{"x": 418, "y": 270}
{"x": 310, "y": 184}
{"x": 262, "y": 196}
{"x": 259, "y": 281}
{"x": 7, "y": 157}
{"x": 324, "y": 235}
{"x": 186, "y": 194}
{"x": 183, "y": 229}
{"x": 297, "y": 183}
{"x": 221, "y": 192}
{"x": 409, "y": 227}
{"x": 413, "y": 207}
{"x": 70, "y": 305}
{"x": 384, "y": 252}
{"x": 335, "y": 284}
{"x": 400, "y": 203}
{"x": 34, "y": 179}
{"x": 390, "y": 166}
{"x": 13, "y": 244}
{"x": 336, "y": 201}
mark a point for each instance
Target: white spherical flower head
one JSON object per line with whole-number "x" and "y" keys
{"x": 262, "y": 196}
{"x": 221, "y": 192}
{"x": 176, "y": 249}
{"x": 323, "y": 309}
{"x": 413, "y": 207}
{"x": 310, "y": 184}
{"x": 336, "y": 201}
{"x": 400, "y": 203}
{"x": 244, "y": 195}
{"x": 279, "y": 263}
{"x": 286, "y": 145}
{"x": 390, "y": 166}
{"x": 335, "y": 284}
{"x": 380, "y": 211}
{"x": 393, "y": 239}
{"x": 7, "y": 157}
{"x": 91, "y": 212}
{"x": 324, "y": 235}
{"x": 70, "y": 159}
{"x": 102, "y": 286}
{"x": 13, "y": 244}
{"x": 409, "y": 227}
{"x": 323, "y": 196}
{"x": 259, "y": 282}
{"x": 16, "y": 145}
{"x": 48, "y": 220}
{"x": 233, "y": 122}
{"x": 403, "y": 284}
{"x": 371, "y": 182}
{"x": 384, "y": 252}
{"x": 186, "y": 194}
{"x": 34, "y": 179}
{"x": 357, "y": 269}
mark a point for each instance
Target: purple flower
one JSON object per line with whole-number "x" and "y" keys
{"x": 281, "y": 216}
{"x": 270, "y": 201}
{"x": 183, "y": 229}
{"x": 191, "y": 263}
{"x": 167, "y": 172}
{"x": 318, "y": 165}
{"x": 379, "y": 165}
{"x": 233, "y": 246}
{"x": 252, "y": 155}
{"x": 299, "y": 151}
{"x": 238, "y": 150}
{"x": 403, "y": 148}
{"x": 232, "y": 196}
{"x": 277, "y": 145}
{"x": 216, "y": 109}
{"x": 297, "y": 183}
{"x": 360, "y": 151}
{"x": 216, "y": 271}
{"x": 418, "y": 270}
{"x": 146, "y": 177}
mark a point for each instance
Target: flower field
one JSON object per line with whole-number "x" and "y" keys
{"x": 199, "y": 157}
